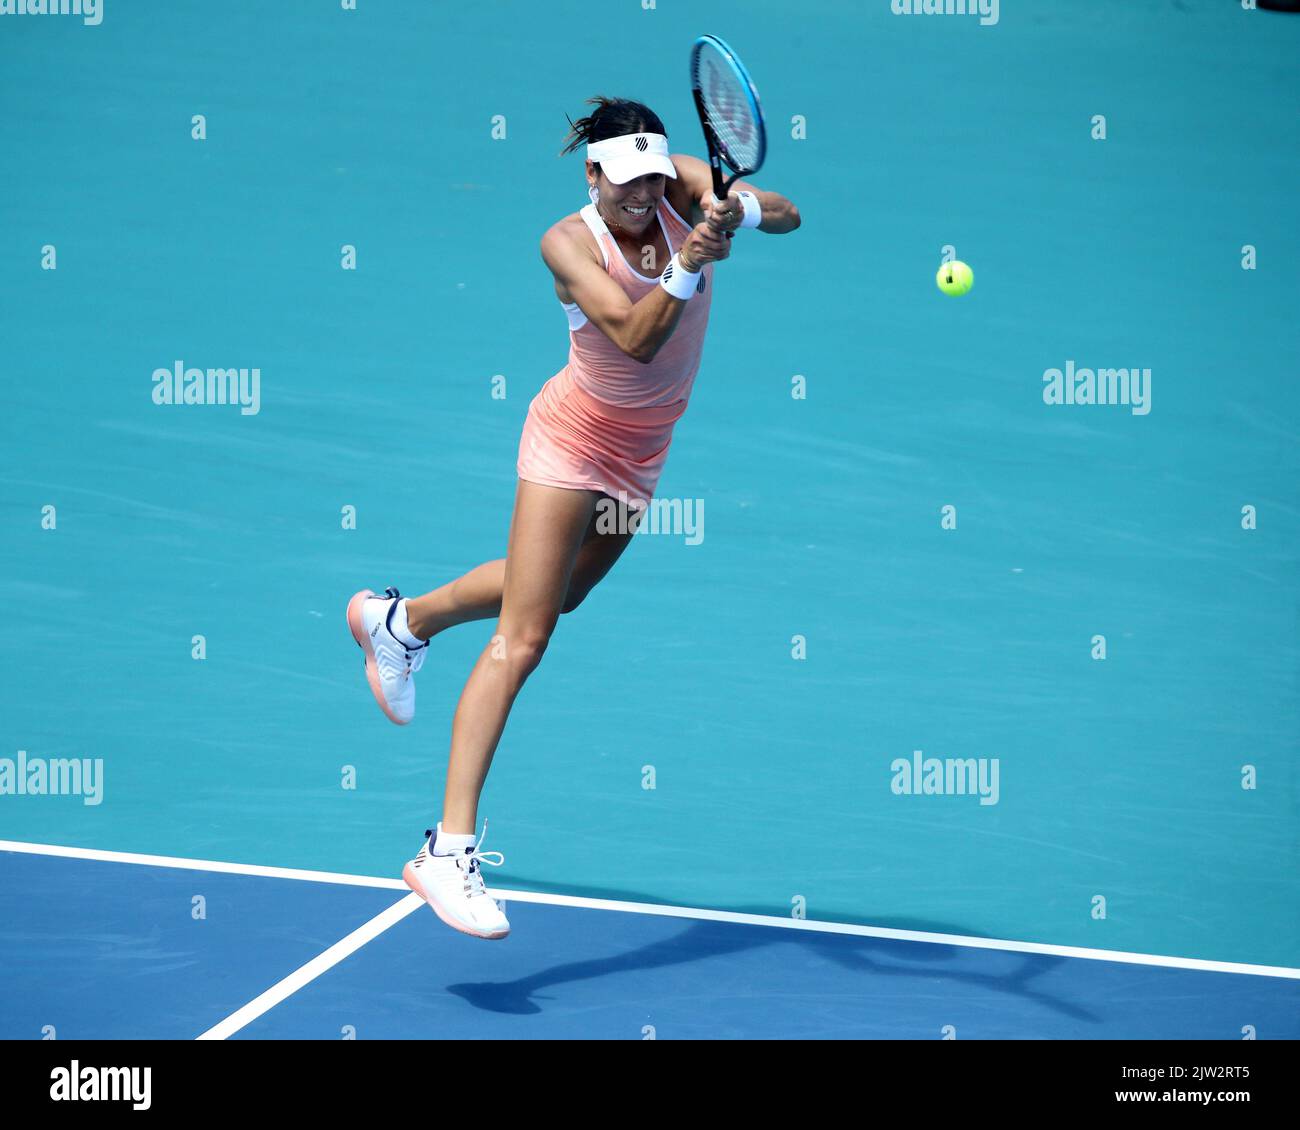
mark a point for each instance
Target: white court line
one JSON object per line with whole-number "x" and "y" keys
{"x": 200, "y": 865}
{"x": 851, "y": 929}
{"x": 314, "y": 968}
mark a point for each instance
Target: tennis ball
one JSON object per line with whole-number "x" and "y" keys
{"x": 955, "y": 278}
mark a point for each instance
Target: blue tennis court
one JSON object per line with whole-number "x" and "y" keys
{"x": 959, "y": 707}
{"x": 150, "y": 967}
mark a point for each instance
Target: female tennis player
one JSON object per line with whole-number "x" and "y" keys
{"x": 634, "y": 272}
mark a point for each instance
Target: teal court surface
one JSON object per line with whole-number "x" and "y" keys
{"x": 705, "y": 795}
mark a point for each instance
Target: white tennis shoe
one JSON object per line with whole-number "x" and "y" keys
{"x": 453, "y": 886}
{"x": 390, "y": 664}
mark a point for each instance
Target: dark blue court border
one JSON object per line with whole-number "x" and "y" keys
{"x": 109, "y": 950}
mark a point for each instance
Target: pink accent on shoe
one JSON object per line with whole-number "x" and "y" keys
{"x": 408, "y": 873}
{"x": 363, "y": 642}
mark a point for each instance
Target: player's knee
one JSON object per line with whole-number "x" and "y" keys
{"x": 523, "y": 649}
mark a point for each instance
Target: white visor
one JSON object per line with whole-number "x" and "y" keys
{"x": 633, "y": 155}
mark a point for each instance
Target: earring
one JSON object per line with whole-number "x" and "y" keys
{"x": 594, "y": 193}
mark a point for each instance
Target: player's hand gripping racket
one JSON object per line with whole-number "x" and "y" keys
{"x": 729, "y": 112}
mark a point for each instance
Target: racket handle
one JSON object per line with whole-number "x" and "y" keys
{"x": 717, "y": 201}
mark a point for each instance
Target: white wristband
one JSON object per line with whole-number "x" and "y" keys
{"x": 753, "y": 213}
{"x": 677, "y": 280}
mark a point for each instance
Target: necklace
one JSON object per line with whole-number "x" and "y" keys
{"x": 608, "y": 221}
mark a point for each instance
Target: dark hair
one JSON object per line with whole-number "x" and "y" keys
{"x": 612, "y": 117}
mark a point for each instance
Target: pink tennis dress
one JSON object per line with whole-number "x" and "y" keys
{"x": 604, "y": 422}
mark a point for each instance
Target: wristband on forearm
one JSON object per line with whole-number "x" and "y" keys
{"x": 677, "y": 280}
{"x": 753, "y": 212}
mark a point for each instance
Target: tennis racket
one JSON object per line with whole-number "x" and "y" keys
{"x": 727, "y": 103}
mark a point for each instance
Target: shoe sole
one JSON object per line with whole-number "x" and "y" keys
{"x": 408, "y": 873}
{"x": 356, "y": 624}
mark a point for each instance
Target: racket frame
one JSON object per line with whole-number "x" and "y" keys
{"x": 721, "y": 185}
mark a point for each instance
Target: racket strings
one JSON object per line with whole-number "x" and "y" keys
{"x": 730, "y": 116}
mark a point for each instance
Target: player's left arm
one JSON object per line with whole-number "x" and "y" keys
{"x": 779, "y": 214}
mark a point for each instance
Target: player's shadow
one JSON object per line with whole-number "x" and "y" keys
{"x": 875, "y": 957}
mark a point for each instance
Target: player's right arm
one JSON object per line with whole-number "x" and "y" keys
{"x": 639, "y": 329}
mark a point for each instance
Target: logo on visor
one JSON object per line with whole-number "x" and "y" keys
{"x": 642, "y": 145}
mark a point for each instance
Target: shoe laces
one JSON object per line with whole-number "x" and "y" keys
{"x": 469, "y": 860}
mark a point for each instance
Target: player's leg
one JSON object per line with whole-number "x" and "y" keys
{"x": 477, "y": 594}
{"x": 606, "y": 540}
{"x": 474, "y": 596}
{"x": 394, "y": 638}
{"x": 546, "y": 533}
